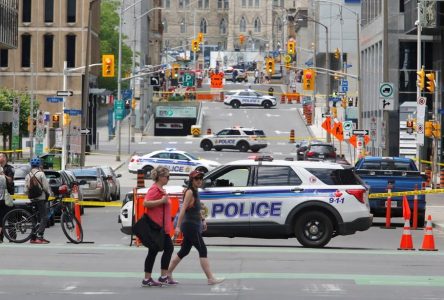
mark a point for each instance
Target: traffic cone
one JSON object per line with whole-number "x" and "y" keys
{"x": 406, "y": 239}
{"x": 140, "y": 179}
{"x": 428, "y": 242}
{"x": 283, "y": 99}
{"x": 292, "y": 138}
{"x": 79, "y": 218}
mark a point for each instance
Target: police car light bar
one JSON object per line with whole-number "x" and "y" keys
{"x": 170, "y": 149}
{"x": 261, "y": 157}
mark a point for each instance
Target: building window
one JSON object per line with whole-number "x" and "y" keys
{"x": 219, "y": 4}
{"x": 244, "y": 3}
{"x": 243, "y": 25}
{"x": 49, "y": 11}
{"x": 26, "y": 51}
{"x": 166, "y": 3}
{"x": 4, "y": 58}
{"x": 250, "y": 3}
{"x": 71, "y": 50}
{"x": 257, "y": 3}
{"x": 203, "y": 4}
{"x": 26, "y": 12}
{"x": 48, "y": 43}
{"x": 71, "y": 11}
{"x": 183, "y": 26}
{"x": 257, "y": 25}
{"x": 184, "y": 4}
{"x": 226, "y": 4}
{"x": 165, "y": 25}
{"x": 223, "y": 27}
{"x": 203, "y": 26}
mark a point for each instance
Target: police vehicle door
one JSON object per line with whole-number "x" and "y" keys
{"x": 227, "y": 198}
{"x": 180, "y": 164}
{"x": 226, "y": 138}
{"x": 277, "y": 191}
{"x": 245, "y": 97}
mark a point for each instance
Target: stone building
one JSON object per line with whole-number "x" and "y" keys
{"x": 8, "y": 25}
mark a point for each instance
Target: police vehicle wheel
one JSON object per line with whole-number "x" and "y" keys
{"x": 235, "y": 104}
{"x": 206, "y": 145}
{"x": 218, "y": 148}
{"x": 147, "y": 171}
{"x": 313, "y": 229}
{"x": 267, "y": 104}
{"x": 243, "y": 147}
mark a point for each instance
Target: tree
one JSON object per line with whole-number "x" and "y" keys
{"x": 6, "y": 98}
{"x": 109, "y": 42}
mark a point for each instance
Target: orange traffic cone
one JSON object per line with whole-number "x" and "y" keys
{"x": 406, "y": 239}
{"x": 428, "y": 243}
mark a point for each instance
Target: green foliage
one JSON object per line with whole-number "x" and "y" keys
{"x": 109, "y": 42}
{"x": 6, "y": 98}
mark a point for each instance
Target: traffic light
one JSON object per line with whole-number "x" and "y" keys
{"x": 421, "y": 79}
{"x": 431, "y": 82}
{"x": 32, "y": 126}
{"x": 288, "y": 65}
{"x": 175, "y": 73}
{"x": 66, "y": 119}
{"x": 108, "y": 65}
{"x": 308, "y": 80}
{"x": 428, "y": 129}
{"x": 337, "y": 53}
{"x": 200, "y": 37}
{"x": 241, "y": 39}
{"x": 195, "y": 45}
{"x": 56, "y": 121}
{"x": 334, "y": 112}
{"x": 436, "y": 129}
{"x": 270, "y": 66}
{"x": 344, "y": 102}
{"x": 291, "y": 45}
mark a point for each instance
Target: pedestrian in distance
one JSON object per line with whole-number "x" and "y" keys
{"x": 3, "y": 207}
{"x": 36, "y": 180}
{"x": 191, "y": 223}
{"x": 256, "y": 76}
{"x": 158, "y": 207}
{"x": 8, "y": 171}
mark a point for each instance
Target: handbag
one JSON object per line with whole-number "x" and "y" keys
{"x": 150, "y": 233}
{"x": 8, "y": 199}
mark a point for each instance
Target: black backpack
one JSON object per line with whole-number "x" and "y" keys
{"x": 35, "y": 187}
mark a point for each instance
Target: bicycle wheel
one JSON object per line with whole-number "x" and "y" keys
{"x": 18, "y": 225}
{"x": 71, "y": 228}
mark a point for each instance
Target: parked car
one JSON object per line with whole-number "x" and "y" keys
{"x": 320, "y": 151}
{"x": 241, "y": 75}
{"x": 302, "y": 146}
{"x": 95, "y": 185}
{"x": 113, "y": 182}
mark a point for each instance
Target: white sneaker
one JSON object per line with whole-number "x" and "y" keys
{"x": 215, "y": 281}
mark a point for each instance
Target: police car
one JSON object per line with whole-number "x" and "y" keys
{"x": 248, "y": 97}
{"x": 240, "y": 138}
{"x": 178, "y": 162}
{"x": 266, "y": 198}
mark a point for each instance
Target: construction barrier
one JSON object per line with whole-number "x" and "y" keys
{"x": 292, "y": 139}
{"x": 222, "y": 97}
{"x": 415, "y": 210}
{"x": 428, "y": 242}
{"x": 140, "y": 179}
{"x": 195, "y": 130}
{"x": 441, "y": 179}
{"x": 79, "y": 218}
{"x": 388, "y": 208}
{"x": 283, "y": 99}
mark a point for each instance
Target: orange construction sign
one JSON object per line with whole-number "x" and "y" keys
{"x": 216, "y": 81}
{"x": 327, "y": 124}
{"x": 353, "y": 140}
{"x": 337, "y": 131}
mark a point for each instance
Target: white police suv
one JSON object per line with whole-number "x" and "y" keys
{"x": 265, "y": 198}
{"x": 237, "y": 98}
{"x": 240, "y": 138}
{"x": 178, "y": 162}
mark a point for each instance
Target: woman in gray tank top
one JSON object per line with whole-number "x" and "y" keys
{"x": 191, "y": 223}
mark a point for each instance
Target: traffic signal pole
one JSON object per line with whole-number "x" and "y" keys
{"x": 418, "y": 90}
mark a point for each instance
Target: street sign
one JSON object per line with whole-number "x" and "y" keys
{"x": 386, "y": 90}
{"x": 188, "y": 79}
{"x": 39, "y": 149}
{"x": 347, "y": 126}
{"x": 360, "y": 132}
{"x": 216, "y": 80}
{"x": 154, "y": 80}
{"x": 65, "y": 93}
{"x": 127, "y": 94}
{"x": 85, "y": 131}
{"x": 73, "y": 112}
{"x": 119, "y": 109}
{"x": 344, "y": 85}
{"x": 54, "y": 99}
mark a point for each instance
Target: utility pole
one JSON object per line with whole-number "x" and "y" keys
{"x": 31, "y": 113}
{"x": 64, "y": 133}
{"x": 419, "y": 143}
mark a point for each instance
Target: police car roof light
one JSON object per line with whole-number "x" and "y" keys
{"x": 170, "y": 149}
{"x": 261, "y": 157}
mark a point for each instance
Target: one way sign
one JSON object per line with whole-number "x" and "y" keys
{"x": 85, "y": 131}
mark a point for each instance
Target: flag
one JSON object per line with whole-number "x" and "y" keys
{"x": 406, "y": 213}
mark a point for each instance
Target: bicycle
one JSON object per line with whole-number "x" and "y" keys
{"x": 19, "y": 224}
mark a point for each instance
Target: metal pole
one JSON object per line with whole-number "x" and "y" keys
{"x": 119, "y": 78}
{"x": 437, "y": 119}
{"x": 194, "y": 36}
{"x": 327, "y": 62}
{"x": 64, "y": 136}
{"x": 133, "y": 80}
{"x": 85, "y": 92}
{"x": 418, "y": 67}
{"x": 358, "y": 49}
{"x": 31, "y": 113}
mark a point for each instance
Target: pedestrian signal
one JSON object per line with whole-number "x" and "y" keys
{"x": 421, "y": 79}
{"x": 431, "y": 82}
{"x": 428, "y": 129}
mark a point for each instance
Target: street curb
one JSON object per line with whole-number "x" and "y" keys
{"x": 438, "y": 226}
{"x": 124, "y": 162}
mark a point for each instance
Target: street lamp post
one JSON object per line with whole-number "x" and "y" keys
{"x": 327, "y": 66}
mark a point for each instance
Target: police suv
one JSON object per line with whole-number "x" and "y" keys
{"x": 240, "y": 138}
{"x": 266, "y": 198}
{"x": 178, "y": 162}
{"x": 237, "y": 98}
